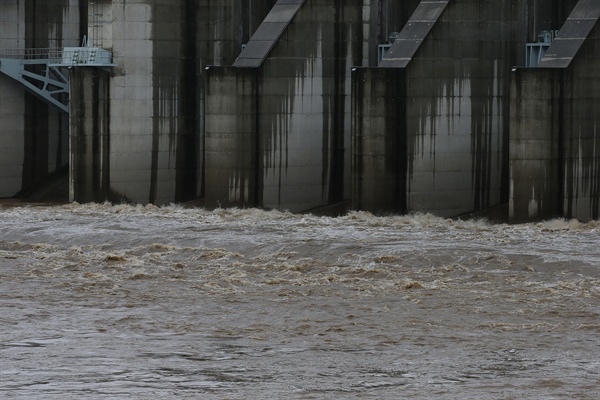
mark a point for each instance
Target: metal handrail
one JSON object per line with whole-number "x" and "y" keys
{"x": 32, "y": 53}
{"x": 68, "y": 56}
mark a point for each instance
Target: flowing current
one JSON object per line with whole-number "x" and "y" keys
{"x": 112, "y": 302}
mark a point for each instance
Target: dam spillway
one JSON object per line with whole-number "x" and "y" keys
{"x": 395, "y": 107}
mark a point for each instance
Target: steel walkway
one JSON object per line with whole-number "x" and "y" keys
{"x": 44, "y": 72}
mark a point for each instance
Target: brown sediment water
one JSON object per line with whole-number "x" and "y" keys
{"x": 121, "y": 301}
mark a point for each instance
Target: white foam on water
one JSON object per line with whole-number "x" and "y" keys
{"x": 192, "y": 302}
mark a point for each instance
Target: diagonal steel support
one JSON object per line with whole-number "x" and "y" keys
{"x": 52, "y": 86}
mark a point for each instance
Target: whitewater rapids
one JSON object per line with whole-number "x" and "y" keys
{"x": 103, "y": 301}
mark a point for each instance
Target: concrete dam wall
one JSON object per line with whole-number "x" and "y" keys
{"x": 34, "y": 137}
{"x": 433, "y": 115}
{"x": 157, "y": 92}
{"x": 298, "y": 104}
{"x": 288, "y": 97}
{"x": 555, "y": 125}
{"x": 153, "y": 119}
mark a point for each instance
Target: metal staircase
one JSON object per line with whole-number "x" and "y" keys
{"x": 44, "y": 72}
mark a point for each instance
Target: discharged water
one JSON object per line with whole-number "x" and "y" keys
{"x": 114, "y": 302}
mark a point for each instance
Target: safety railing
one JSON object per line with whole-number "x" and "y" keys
{"x": 66, "y": 57}
{"x": 33, "y": 54}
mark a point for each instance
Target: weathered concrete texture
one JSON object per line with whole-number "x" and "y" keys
{"x": 175, "y": 134}
{"x": 232, "y": 139}
{"x": 544, "y": 15}
{"x": 12, "y": 105}
{"x": 268, "y": 33}
{"x": 90, "y": 138}
{"x": 49, "y": 24}
{"x": 456, "y": 104}
{"x": 582, "y": 131}
{"x": 304, "y": 108}
{"x": 305, "y": 113}
{"x": 536, "y": 144}
{"x": 154, "y": 120}
{"x": 52, "y": 23}
{"x": 430, "y": 125}
{"x": 11, "y": 137}
{"x": 572, "y": 35}
{"x": 555, "y": 120}
{"x": 131, "y": 106}
{"x": 35, "y": 143}
{"x": 379, "y": 140}
{"x": 381, "y": 18}
{"x": 158, "y": 91}
{"x": 224, "y": 26}
{"x": 409, "y": 40}
{"x": 459, "y": 91}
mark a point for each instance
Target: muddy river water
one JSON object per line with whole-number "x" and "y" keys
{"x": 116, "y": 301}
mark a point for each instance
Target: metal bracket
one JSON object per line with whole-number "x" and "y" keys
{"x": 534, "y": 52}
{"x": 51, "y": 85}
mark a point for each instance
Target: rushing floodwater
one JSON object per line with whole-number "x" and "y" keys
{"x": 115, "y": 302}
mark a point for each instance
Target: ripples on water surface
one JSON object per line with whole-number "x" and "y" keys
{"x": 113, "y": 302}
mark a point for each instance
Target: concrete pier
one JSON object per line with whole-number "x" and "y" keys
{"x": 555, "y": 120}
{"x": 12, "y": 104}
{"x": 379, "y": 139}
{"x": 33, "y": 136}
{"x": 158, "y": 91}
{"x": 303, "y": 54}
{"x": 536, "y": 144}
{"x": 452, "y": 111}
{"x": 90, "y": 136}
{"x": 232, "y": 140}
{"x": 394, "y": 107}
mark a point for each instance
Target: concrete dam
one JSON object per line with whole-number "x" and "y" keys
{"x": 444, "y": 106}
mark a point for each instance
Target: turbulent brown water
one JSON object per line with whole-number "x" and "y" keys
{"x": 113, "y": 302}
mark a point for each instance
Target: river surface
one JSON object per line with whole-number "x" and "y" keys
{"x": 130, "y": 302}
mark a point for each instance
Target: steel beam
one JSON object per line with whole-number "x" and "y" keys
{"x": 48, "y": 86}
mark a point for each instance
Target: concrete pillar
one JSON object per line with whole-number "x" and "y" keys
{"x": 379, "y": 140}
{"x": 89, "y": 135}
{"x": 455, "y": 114}
{"x": 48, "y": 24}
{"x": 12, "y": 104}
{"x": 582, "y": 131}
{"x": 33, "y": 136}
{"x": 231, "y": 142}
{"x": 158, "y": 93}
{"x": 11, "y": 137}
{"x": 303, "y": 60}
{"x": 305, "y": 109}
{"x": 536, "y": 144}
